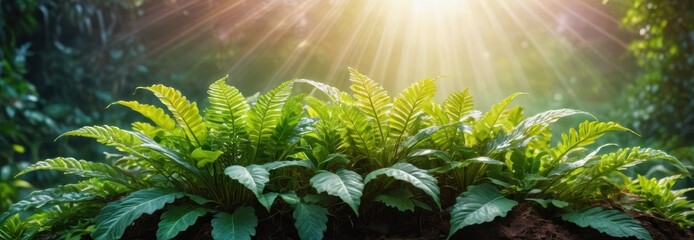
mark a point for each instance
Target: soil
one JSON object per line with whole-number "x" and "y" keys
{"x": 525, "y": 221}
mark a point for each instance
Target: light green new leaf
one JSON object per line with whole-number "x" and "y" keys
{"x": 115, "y": 217}
{"x": 486, "y": 124}
{"x": 80, "y": 168}
{"x": 265, "y": 114}
{"x": 108, "y": 135}
{"x": 227, "y": 106}
{"x": 310, "y": 221}
{"x": 345, "y": 184}
{"x": 238, "y": 226}
{"x": 588, "y": 132}
{"x": 186, "y": 113}
{"x": 157, "y": 115}
{"x": 373, "y": 101}
{"x": 203, "y": 157}
{"x": 611, "y": 222}
{"x": 479, "y": 204}
{"x": 253, "y": 177}
{"x": 177, "y": 219}
{"x": 397, "y": 198}
{"x": 628, "y": 157}
{"x": 408, "y": 106}
{"x": 457, "y": 105}
{"x": 409, "y": 173}
{"x": 332, "y": 92}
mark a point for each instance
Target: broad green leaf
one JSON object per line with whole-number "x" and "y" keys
{"x": 332, "y": 92}
{"x": 408, "y": 106}
{"x": 227, "y": 107}
{"x": 545, "y": 202}
{"x": 280, "y": 164}
{"x": 611, "y": 222}
{"x": 177, "y": 219}
{"x": 409, "y": 173}
{"x": 186, "y": 113}
{"x": 268, "y": 199}
{"x": 373, "y": 101}
{"x": 80, "y": 168}
{"x": 345, "y": 184}
{"x": 238, "y": 226}
{"x": 290, "y": 198}
{"x": 310, "y": 221}
{"x": 203, "y": 157}
{"x": 397, "y": 198}
{"x": 458, "y": 104}
{"x": 157, "y": 115}
{"x": 115, "y": 217}
{"x": 265, "y": 114}
{"x": 479, "y": 204}
{"x": 253, "y": 177}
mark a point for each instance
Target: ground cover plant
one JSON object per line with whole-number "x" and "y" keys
{"x": 340, "y": 165}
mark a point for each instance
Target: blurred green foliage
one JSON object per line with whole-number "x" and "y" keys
{"x": 662, "y": 97}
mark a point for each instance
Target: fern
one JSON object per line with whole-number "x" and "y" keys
{"x": 408, "y": 106}
{"x": 80, "y": 168}
{"x": 264, "y": 116}
{"x": 186, "y": 114}
{"x": 588, "y": 133}
{"x": 359, "y": 133}
{"x": 227, "y": 107}
{"x": 373, "y": 101}
{"x": 458, "y": 104}
{"x": 107, "y": 135}
{"x": 484, "y": 127}
{"x": 157, "y": 115}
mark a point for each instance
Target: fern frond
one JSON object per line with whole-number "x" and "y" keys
{"x": 373, "y": 101}
{"x": 408, "y": 106}
{"x": 358, "y": 132}
{"x": 227, "y": 107}
{"x": 628, "y": 157}
{"x": 588, "y": 132}
{"x": 529, "y": 128}
{"x": 186, "y": 113}
{"x": 265, "y": 114}
{"x": 285, "y": 133}
{"x": 108, "y": 135}
{"x": 80, "y": 168}
{"x": 157, "y": 115}
{"x": 484, "y": 127}
{"x": 458, "y": 104}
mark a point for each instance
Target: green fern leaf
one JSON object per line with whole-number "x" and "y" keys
{"x": 237, "y": 226}
{"x": 186, "y": 113}
{"x": 479, "y": 204}
{"x": 253, "y": 177}
{"x": 409, "y": 173}
{"x": 47, "y": 197}
{"x": 107, "y": 135}
{"x": 610, "y": 222}
{"x": 157, "y": 115}
{"x": 265, "y": 114}
{"x": 227, "y": 107}
{"x": 483, "y": 128}
{"x": 628, "y": 157}
{"x": 115, "y": 217}
{"x": 457, "y": 105}
{"x": 373, "y": 101}
{"x": 332, "y": 92}
{"x": 311, "y": 221}
{"x": 345, "y": 184}
{"x": 176, "y": 219}
{"x": 588, "y": 132}
{"x": 408, "y": 106}
{"x": 531, "y": 127}
{"x": 358, "y": 131}
{"x": 80, "y": 168}
{"x": 286, "y": 132}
